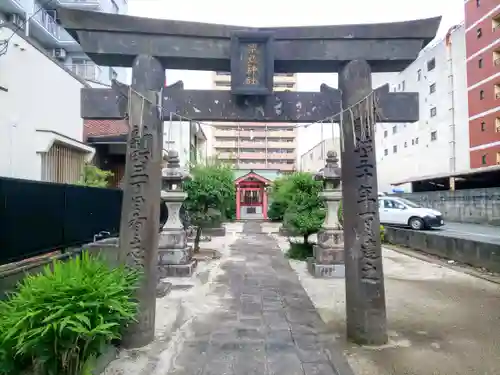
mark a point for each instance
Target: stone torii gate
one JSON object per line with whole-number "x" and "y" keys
{"x": 253, "y": 56}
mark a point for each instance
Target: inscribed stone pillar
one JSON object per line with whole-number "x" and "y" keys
{"x": 174, "y": 255}
{"x": 328, "y": 254}
{"x": 365, "y": 294}
{"x": 141, "y": 193}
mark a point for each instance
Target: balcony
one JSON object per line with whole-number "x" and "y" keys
{"x": 283, "y": 167}
{"x": 225, "y": 144}
{"x": 277, "y": 144}
{"x": 281, "y": 156}
{"x": 48, "y": 32}
{"x": 81, "y": 4}
{"x": 12, "y": 6}
{"x": 89, "y": 71}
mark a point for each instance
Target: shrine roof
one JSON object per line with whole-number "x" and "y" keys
{"x": 268, "y": 174}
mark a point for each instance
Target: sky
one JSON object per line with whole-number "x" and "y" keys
{"x": 261, "y": 13}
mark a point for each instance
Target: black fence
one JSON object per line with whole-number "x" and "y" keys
{"x": 40, "y": 217}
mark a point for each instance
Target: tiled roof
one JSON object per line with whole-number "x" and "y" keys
{"x": 104, "y": 127}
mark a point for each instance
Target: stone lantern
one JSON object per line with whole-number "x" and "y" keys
{"x": 328, "y": 254}
{"x": 174, "y": 255}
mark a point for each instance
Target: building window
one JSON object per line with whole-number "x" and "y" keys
{"x": 481, "y": 94}
{"x": 403, "y": 85}
{"x": 434, "y": 135}
{"x": 386, "y": 152}
{"x": 406, "y": 144}
{"x": 496, "y": 22}
{"x": 419, "y": 74}
{"x": 480, "y": 63}
{"x": 394, "y": 129}
{"x": 395, "y": 149}
{"x": 432, "y": 88}
{"x": 496, "y": 54}
{"x": 433, "y": 111}
{"x": 483, "y": 159}
{"x": 385, "y": 133}
{"x": 62, "y": 164}
{"x": 478, "y": 3}
{"x": 431, "y": 64}
{"x": 479, "y": 33}
{"x": 416, "y": 141}
{"x": 483, "y": 126}
{"x": 497, "y": 125}
{"x": 498, "y": 157}
{"x": 413, "y": 142}
{"x": 497, "y": 92}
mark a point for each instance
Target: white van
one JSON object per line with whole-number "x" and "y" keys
{"x": 400, "y": 211}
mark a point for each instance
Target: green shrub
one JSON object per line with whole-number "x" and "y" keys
{"x": 60, "y": 320}
{"x": 340, "y": 214}
{"x": 382, "y": 234}
{"x": 300, "y": 251}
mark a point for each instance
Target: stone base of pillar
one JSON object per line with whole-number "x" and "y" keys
{"x": 177, "y": 270}
{"x": 163, "y": 288}
{"x": 175, "y": 258}
{"x": 328, "y": 255}
{"x": 325, "y": 271}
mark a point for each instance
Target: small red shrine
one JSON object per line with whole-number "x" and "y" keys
{"x": 251, "y": 196}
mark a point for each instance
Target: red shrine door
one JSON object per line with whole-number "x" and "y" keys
{"x": 251, "y": 198}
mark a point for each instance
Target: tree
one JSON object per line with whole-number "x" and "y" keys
{"x": 210, "y": 194}
{"x": 94, "y": 177}
{"x": 304, "y": 211}
{"x": 278, "y": 199}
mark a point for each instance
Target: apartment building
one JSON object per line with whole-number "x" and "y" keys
{"x": 39, "y": 21}
{"x": 482, "y": 23}
{"x": 439, "y": 142}
{"x": 256, "y": 145}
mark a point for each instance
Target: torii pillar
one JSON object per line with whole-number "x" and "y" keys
{"x": 365, "y": 293}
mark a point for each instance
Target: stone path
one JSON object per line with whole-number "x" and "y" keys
{"x": 268, "y": 324}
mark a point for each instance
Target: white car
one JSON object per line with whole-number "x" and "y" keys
{"x": 400, "y": 211}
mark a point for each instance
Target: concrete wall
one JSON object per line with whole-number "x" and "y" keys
{"x": 481, "y": 206}
{"x": 10, "y": 275}
{"x": 40, "y": 95}
{"x": 474, "y": 253}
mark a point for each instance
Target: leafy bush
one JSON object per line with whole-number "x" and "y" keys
{"x": 211, "y": 193}
{"x": 305, "y": 212}
{"x": 276, "y": 211}
{"x": 340, "y": 214}
{"x": 94, "y": 177}
{"x": 300, "y": 251}
{"x": 382, "y": 234}
{"x": 60, "y": 320}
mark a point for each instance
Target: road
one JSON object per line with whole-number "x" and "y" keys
{"x": 476, "y": 232}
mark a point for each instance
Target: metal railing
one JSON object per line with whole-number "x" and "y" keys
{"x": 81, "y": 2}
{"x": 90, "y": 72}
{"x": 46, "y": 21}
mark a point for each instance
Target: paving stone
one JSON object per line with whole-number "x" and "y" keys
{"x": 268, "y": 325}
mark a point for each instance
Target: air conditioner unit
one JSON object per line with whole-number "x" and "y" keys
{"x": 17, "y": 20}
{"x": 59, "y": 53}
